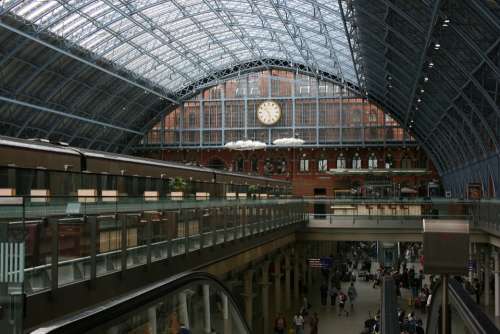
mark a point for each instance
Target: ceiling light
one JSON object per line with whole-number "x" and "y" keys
{"x": 422, "y": 90}
{"x": 431, "y": 64}
{"x": 426, "y": 79}
{"x": 416, "y": 108}
{"x": 437, "y": 46}
{"x": 419, "y": 100}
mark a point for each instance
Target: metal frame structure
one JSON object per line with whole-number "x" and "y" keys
{"x": 100, "y": 73}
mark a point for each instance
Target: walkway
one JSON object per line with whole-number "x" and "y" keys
{"x": 368, "y": 302}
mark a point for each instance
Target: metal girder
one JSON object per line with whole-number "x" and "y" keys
{"x": 351, "y": 34}
{"x": 64, "y": 114}
{"x": 87, "y": 62}
{"x": 420, "y": 64}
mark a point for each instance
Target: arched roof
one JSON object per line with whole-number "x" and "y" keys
{"x": 173, "y": 43}
{"x": 70, "y": 67}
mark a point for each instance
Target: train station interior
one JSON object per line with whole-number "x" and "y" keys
{"x": 249, "y": 166}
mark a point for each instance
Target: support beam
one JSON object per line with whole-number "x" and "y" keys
{"x": 64, "y": 114}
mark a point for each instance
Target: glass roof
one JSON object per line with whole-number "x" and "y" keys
{"x": 176, "y": 42}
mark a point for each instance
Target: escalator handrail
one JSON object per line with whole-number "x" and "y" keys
{"x": 472, "y": 315}
{"x": 470, "y": 312}
{"x": 103, "y": 313}
{"x": 389, "y": 308}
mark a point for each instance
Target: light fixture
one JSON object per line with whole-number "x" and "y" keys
{"x": 426, "y": 79}
{"x": 422, "y": 90}
{"x": 245, "y": 145}
{"x": 289, "y": 142}
{"x": 437, "y": 46}
{"x": 431, "y": 64}
{"x": 419, "y": 100}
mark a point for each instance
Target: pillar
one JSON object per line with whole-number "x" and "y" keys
{"x": 248, "y": 295}
{"x": 296, "y": 276}
{"x": 225, "y": 314}
{"x": 288, "y": 292}
{"x": 497, "y": 283}
{"x": 471, "y": 269}
{"x": 277, "y": 284}
{"x": 206, "y": 308}
{"x": 487, "y": 270}
{"x": 152, "y": 320}
{"x": 184, "y": 315}
{"x": 265, "y": 296}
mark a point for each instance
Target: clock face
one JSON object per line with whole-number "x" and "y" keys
{"x": 269, "y": 112}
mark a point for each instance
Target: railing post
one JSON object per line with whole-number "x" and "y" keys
{"x": 93, "y": 248}
{"x": 54, "y": 270}
{"x": 123, "y": 254}
{"x": 149, "y": 236}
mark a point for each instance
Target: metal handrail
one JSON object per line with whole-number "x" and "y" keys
{"x": 111, "y": 310}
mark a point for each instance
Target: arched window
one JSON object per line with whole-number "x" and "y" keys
{"x": 216, "y": 163}
{"x": 280, "y": 166}
{"x": 254, "y": 164}
{"x": 268, "y": 167}
{"x": 372, "y": 161}
{"x": 341, "y": 161}
{"x": 322, "y": 164}
{"x": 304, "y": 164}
{"x": 388, "y": 161}
{"x": 356, "y": 161}
{"x": 406, "y": 162}
{"x": 239, "y": 164}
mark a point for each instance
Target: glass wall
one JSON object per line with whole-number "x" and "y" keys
{"x": 320, "y": 112}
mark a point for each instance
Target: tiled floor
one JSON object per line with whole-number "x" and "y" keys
{"x": 368, "y": 301}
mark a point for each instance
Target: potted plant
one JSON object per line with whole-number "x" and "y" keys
{"x": 252, "y": 191}
{"x": 178, "y": 185}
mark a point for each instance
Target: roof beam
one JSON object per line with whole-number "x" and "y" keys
{"x": 64, "y": 114}
{"x": 89, "y": 63}
{"x": 430, "y": 29}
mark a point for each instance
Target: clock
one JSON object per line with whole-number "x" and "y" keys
{"x": 269, "y": 112}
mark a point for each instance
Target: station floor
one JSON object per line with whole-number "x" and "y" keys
{"x": 368, "y": 302}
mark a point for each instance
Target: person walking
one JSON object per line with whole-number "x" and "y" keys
{"x": 298, "y": 322}
{"x": 333, "y": 294}
{"x": 324, "y": 293}
{"x": 342, "y": 299}
{"x": 314, "y": 323}
{"x": 280, "y": 324}
{"x": 184, "y": 330}
{"x": 352, "y": 293}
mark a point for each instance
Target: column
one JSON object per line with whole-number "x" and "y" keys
{"x": 296, "y": 276}
{"x": 277, "y": 284}
{"x": 265, "y": 296}
{"x": 248, "y": 295}
{"x": 225, "y": 314}
{"x": 288, "y": 293}
{"x": 487, "y": 270}
{"x": 471, "y": 269}
{"x": 152, "y": 320}
{"x": 497, "y": 283}
{"x": 206, "y": 308}
{"x": 184, "y": 315}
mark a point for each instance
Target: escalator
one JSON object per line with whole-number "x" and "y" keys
{"x": 465, "y": 316}
{"x": 196, "y": 300}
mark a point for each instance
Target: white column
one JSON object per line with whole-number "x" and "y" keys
{"x": 277, "y": 284}
{"x": 248, "y": 296}
{"x": 497, "y": 283}
{"x": 225, "y": 315}
{"x": 184, "y": 315}
{"x": 288, "y": 297}
{"x": 206, "y": 304}
{"x": 487, "y": 270}
{"x": 265, "y": 296}
{"x": 152, "y": 320}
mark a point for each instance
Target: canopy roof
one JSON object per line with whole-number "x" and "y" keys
{"x": 176, "y": 42}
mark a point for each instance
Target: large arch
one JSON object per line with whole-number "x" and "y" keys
{"x": 100, "y": 73}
